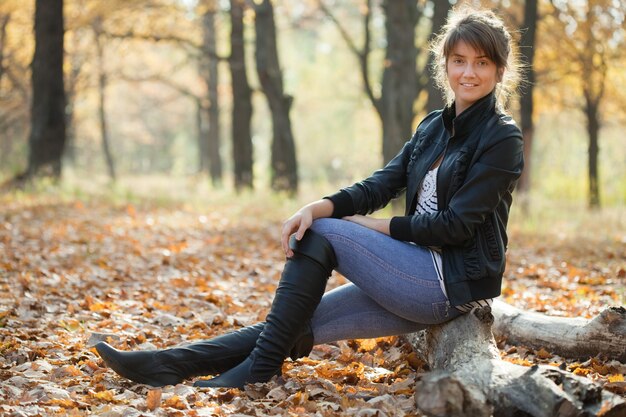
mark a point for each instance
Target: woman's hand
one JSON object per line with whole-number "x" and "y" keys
{"x": 380, "y": 225}
{"x": 301, "y": 220}
{"x": 298, "y": 223}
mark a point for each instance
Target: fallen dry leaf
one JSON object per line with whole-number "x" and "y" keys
{"x": 153, "y": 399}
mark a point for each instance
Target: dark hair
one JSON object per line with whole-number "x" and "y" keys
{"x": 485, "y": 32}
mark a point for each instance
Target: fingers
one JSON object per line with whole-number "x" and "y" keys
{"x": 301, "y": 230}
{"x": 292, "y": 224}
{"x": 284, "y": 238}
{"x": 298, "y": 223}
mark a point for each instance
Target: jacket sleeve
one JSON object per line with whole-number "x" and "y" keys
{"x": 488, "y": 180}
{"x": 374, "y": 192}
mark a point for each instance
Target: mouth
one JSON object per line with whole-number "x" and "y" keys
{"x": 468, "y": 85}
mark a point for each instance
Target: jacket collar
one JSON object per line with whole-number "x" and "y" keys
{"x": 470, "y": 116}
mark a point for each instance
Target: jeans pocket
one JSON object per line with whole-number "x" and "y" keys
{"x": 441, "y": 311}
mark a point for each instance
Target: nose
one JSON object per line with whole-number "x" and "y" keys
{"x": 468, "y": 71}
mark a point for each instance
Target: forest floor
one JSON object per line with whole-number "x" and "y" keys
{"x": 76, "y": 270}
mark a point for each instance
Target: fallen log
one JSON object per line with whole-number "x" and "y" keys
{"x": 470, "y": 379}
{"x": 570, "y": 337}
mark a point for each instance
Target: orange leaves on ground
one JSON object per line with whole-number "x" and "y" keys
{"x": 97, "y": 306}
{"x": 177, "y": 247}
{"x": 106, "y": 395}
{"x": 69, "y": 370}
{"x": 571, "y": 277}
{"x": 415, "y": 361}
{"x": 63, "y": 402}
{"x": 176, "y": 402}
{"x": 92, "y": 365}
{"x": 543, "y": 354}
{"x": 131, "y": 211}
{"x": 153, "y": 399}
{"x": 519, "y": 361}
{"x": 607, "y": 373}
{"x": 599, "y": 367}
{"x": 147, "y": 278}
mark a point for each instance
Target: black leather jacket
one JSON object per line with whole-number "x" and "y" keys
{"x": 482, "y": 162}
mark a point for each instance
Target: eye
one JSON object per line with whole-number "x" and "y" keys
{"x": 483, "y": 63}
{"x": 457, "y": 61}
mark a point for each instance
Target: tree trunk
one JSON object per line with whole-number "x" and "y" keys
{"x": 284, "y": 164}
{"x": 4, "y": 22}
{"x": 593, "y": 130}
{"x": 242, "y": 101}
{"x": 399, "y": 81}
{"x": 594, "y": 66}
{"x": 527, "y": 50}
{"x": 570, "y": 337}
{"x": 5, "y": 147}
{"x": 435, "y": 95}
{"x": 47, "y": 137}
{"x": 211, "y": 77}
{"x": 203, "y": 160}
{"x": 470, "y": 379}
{"x": 70, "y": 125}
{"x": 102, "y": 85}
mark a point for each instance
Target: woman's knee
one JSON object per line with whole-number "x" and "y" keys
{"x": 325, "y": 225}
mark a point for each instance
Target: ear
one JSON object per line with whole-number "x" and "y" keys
{"x": 500, "y": 74}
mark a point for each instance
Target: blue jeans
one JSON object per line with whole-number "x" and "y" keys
{"x": 393, "y": 286}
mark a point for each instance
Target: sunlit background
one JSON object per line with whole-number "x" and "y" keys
{"x": 151, "y": 62}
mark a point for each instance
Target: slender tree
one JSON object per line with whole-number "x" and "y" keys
{"x": 594, "y": 88}
{"x": 71, "y": 90}
{"x": 47, "y": 137}
{"x": 4, "y": 142}
{"x": 102, "y": 87}
{"x": 15, "y": 89}
{"x": 242, "y": 101}
{"x": 527, "y": 49}
{"x": 284, "y": 165}
{"x": 399, "y": 82}
{"x": 209, "y": 70}
{"x": 441, "y": 8}
{"x": 4, "y": 22}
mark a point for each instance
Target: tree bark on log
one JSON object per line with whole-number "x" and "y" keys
{"x": 570, "y": 337}
{"x": 470, "y": 379}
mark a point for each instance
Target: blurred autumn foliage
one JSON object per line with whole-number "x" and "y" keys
{"x": 143, "y": 275}
{"x": 149, "y": 89}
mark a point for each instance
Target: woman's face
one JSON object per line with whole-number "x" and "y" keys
{"x": 471, "y": 75}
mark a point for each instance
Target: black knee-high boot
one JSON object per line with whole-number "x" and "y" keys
{"x": 171, "y": 366}
{"x": 299, "y": 292}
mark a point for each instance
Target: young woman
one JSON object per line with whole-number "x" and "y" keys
{"x": 444, "y": 256}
